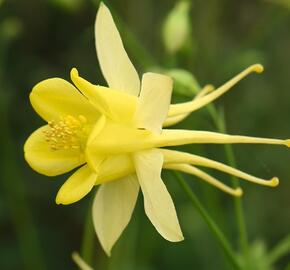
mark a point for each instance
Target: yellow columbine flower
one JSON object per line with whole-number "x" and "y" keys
{"x": 114, "y": 135}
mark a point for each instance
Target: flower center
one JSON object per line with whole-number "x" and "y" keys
{"x": 68, "y": 132}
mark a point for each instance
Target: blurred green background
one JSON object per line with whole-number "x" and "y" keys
{"x": 42, "y": 39}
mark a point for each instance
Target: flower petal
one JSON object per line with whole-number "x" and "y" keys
{"x": 117, "y": 106}
{"x": 112, "y": 209}
{"x": 154, "y": 101}
{"x": 76, "y": 186}
{"x": 117, "y": 139}
{"x": 56, "y": 97}
{"x": 158, "y": 204}
{"x": 115, "y": 64}
{"x": 46, "y": 161}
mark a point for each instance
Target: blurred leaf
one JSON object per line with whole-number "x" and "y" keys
{"x": 68, "y": 5}
{"x": 280, "y": 250}
{"x": 176, "y": 28}
{"x": 243, "y": 59}
{"x": 284, "y": 3}
{"x": 10, "y": 28}
{"x": 257, "y": 257}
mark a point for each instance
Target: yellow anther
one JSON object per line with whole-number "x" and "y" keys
{"x": 66, "y": 132}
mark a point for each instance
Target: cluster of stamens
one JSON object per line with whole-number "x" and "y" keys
{"x": 66, "y": 132}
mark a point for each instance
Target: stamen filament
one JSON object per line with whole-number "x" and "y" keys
{"x": 199, "y": 103}
{"x": 171, "y": 156}
{"x": 206, "y": 177}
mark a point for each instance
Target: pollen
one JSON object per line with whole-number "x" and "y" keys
{"x": 66, "y": 132}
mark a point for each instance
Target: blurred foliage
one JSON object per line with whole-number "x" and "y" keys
{"x": 42, "y": 39}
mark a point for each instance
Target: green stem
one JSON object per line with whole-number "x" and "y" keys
{"x": 280, "y": 250}
{"x": 220, "y": 123}
{"x": 211, "y": 224}
{"x": 87, "y": 247}
{"x": 243, "y": 238}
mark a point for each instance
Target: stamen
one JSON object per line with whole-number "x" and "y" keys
{"x": 171, "y": 156}
{"x": 170, "y": 121}
{"x": 66, "y": 132}
{"x": 206, "y": 177}
{"x": 199, "y": 103}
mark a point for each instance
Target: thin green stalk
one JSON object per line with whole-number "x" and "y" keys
{"x": 210, "y": 222}
{"x": 219, "y": 121}
{"x": 280, "y": 250}
{"x": 87, "y": 247}
{"x": 243, "y": 238}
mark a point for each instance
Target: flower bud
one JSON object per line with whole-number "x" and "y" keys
{"x": 184, "y": 82}
{"x": 176, "y": 28}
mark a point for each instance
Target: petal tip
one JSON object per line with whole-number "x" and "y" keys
{"x": 108, "y": 251}
{"x": 74, "y": 73}
{"x": 62, "y": 199}
{"x": 178, "y": 238}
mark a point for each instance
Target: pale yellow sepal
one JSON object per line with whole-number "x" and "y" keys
{"x": 76, "y": 186}
{"x": 117, "y": 106}
{"x": 115, "y": 64}
{"x": 53, "y": 98}
{"x": 112, "y": 209}
{"x": 154, "y": 101}
{"x": 158, "y": 204}
{"x": 44, "y": 160}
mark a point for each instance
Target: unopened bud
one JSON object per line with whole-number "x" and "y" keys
{"x": 176, "y": 28}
